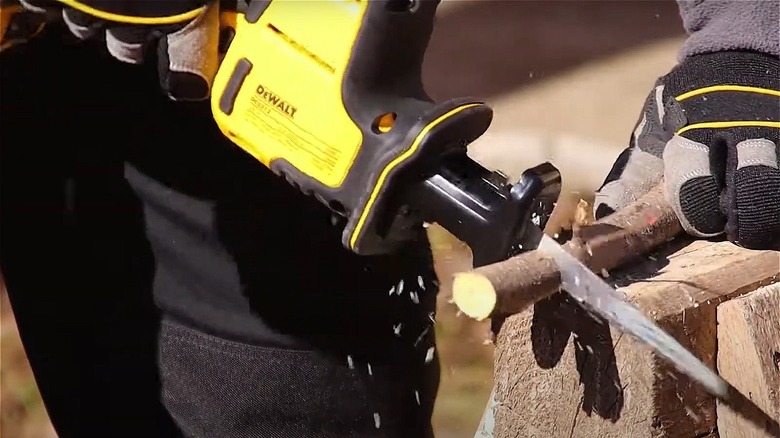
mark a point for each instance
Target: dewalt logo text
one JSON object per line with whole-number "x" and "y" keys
{"x": 277, "y": 102}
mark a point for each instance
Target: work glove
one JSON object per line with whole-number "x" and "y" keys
{"x": 185, "y": 34}
{"x": 709, "y": 129}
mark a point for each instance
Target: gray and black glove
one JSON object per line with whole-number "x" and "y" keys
{"x": 710, "y": 129}
{"x": 185, "y": 34}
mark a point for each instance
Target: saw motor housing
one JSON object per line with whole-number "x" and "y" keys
{"x": 329, "y": 95}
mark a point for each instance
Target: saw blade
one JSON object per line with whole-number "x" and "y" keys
{"x": 590, "y": 289}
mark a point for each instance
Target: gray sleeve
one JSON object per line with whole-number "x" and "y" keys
{"x": 714, "y": 25}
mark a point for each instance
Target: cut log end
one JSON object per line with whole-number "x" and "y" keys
{"x": 474, "y": 295}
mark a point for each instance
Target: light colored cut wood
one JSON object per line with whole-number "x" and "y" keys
{"x": 749, "y": 357}
{"x": 561, "y": 373}
{"x": 474, "y": 295}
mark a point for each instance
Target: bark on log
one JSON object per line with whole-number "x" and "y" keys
{"x": 560, "y": 372}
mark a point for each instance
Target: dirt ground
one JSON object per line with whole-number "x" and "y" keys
{"x": 559, "y": 73}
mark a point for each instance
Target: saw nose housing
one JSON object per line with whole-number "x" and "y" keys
{"x": 495, "y": 218}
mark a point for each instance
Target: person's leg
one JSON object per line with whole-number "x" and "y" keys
{"x": 270, "y": 328}
{"x": 73, "y": 255}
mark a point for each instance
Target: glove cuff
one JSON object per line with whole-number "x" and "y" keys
{"x": 744, "y": 68}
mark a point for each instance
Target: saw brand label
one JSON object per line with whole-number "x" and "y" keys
{"x": 274, "y": 99}
{"x": 277, "y": 135}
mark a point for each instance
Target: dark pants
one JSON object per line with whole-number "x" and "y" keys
{"x": 166, "y": 284}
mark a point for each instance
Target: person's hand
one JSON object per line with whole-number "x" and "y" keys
{"x": 185, "y": 34}
{"x": 709, "y": 129}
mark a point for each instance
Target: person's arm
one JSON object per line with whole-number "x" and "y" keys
{"x": 710, "y": 127}
{"x": 717, "y": 25}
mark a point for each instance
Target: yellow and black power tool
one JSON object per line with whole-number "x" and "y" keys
{"x": 329, "y": 95}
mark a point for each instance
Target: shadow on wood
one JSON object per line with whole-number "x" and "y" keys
{"x": 555, "y": 321}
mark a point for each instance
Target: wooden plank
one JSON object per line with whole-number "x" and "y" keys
{"x": 749, "y": 356}
{"x": 559, "y": 372}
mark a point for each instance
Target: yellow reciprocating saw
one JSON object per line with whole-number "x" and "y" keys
{"x": 329, "y": 95}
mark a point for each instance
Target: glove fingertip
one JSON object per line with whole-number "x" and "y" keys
{"x": 186, "y": 86}
{"x": 189, "y": 57}
{"x": 127, "y": 43}
{"x": 39, "y": 6}
{"x": 178, "y": 84}
{"x": 697, "y": 206}
{"x": 83, "y": 26}
{"x": 756, "y": 220}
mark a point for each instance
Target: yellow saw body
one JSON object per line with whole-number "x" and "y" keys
{"x": 329, "y": 95}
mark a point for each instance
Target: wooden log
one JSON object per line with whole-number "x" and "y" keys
{"x": 560, "y": 372}
{"x": 749, "y": 356}
{"x": 510, "y": 286}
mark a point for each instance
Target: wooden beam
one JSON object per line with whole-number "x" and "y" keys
{"x": 749, "y": 356}
{"x": 559, "y": 372}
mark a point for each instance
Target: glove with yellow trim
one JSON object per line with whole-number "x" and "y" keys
{"x": 710, "y": 129}
{"x": 185, "y": 33}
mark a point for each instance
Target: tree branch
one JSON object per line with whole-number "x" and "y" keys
{"x": 510, "y": 286}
